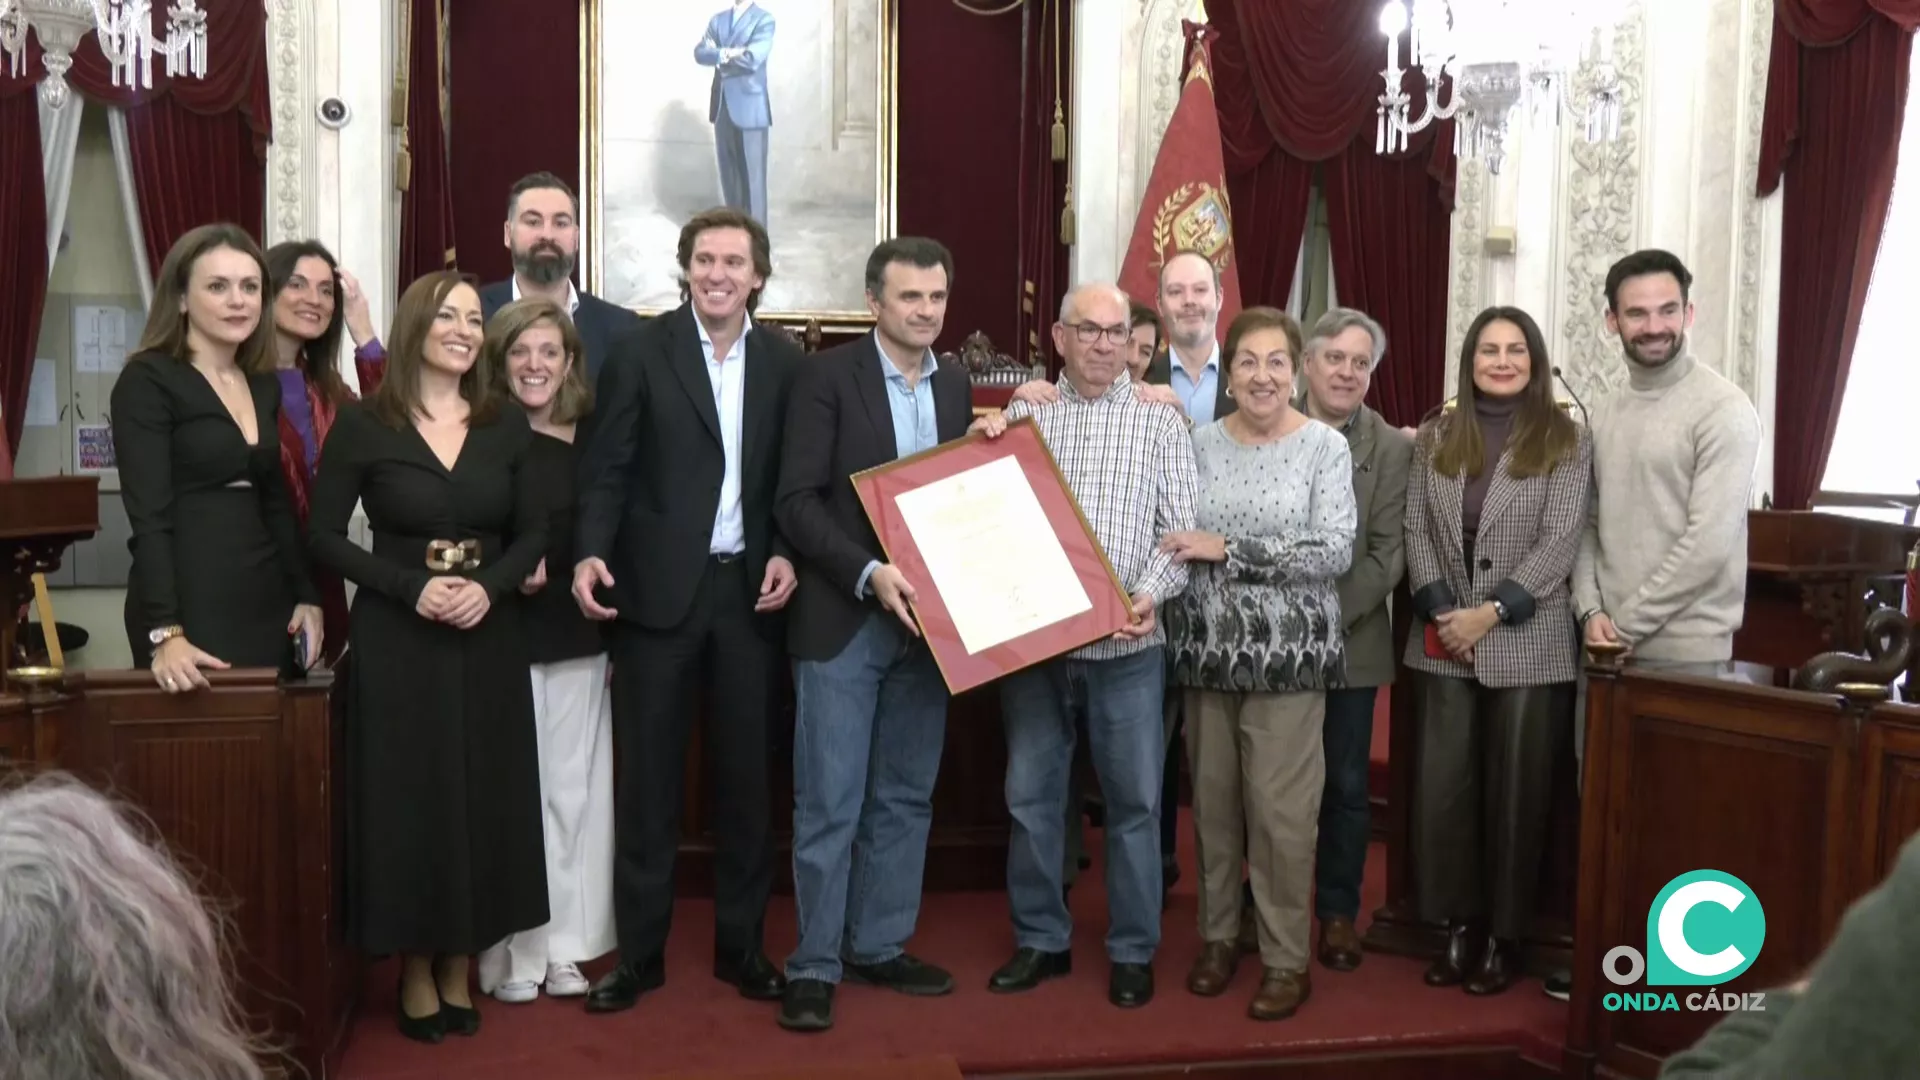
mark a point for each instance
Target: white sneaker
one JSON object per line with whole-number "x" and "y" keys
{"x": 517, "y": 993}
{"x": 565, "y": 980}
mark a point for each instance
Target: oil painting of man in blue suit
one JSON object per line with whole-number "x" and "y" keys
{"x": 736, "y": 46}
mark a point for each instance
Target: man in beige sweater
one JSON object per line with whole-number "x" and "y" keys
{"x": 1663, "y": 566}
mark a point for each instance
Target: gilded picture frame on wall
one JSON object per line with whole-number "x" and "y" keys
{"x": 784, "y": 109}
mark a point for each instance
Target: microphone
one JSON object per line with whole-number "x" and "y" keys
{"x": 1576, "y": 397}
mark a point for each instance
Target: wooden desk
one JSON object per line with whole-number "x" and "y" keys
{"x": 1804, "y": 797}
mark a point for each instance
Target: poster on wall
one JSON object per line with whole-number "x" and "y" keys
{"x": 783, "y": 109}
{"x": 93, "y": 448}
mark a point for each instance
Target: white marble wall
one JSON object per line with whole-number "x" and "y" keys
{"x": 335, "y": 186}
{"x": 1680, "y": 177}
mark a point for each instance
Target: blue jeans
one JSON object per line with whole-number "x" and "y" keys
{"x": 869, "y": 727}
{"x": 1345, "y": 813}
{"x": 1127, "y": 739}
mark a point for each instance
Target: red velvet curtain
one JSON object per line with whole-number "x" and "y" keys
{"x": 1297, "y": 85}
{"x": 23, "y": 254}
{"x": 1836, "y": 96}
{"x": 961, "y": 79}
{"x": 426, "y": 198}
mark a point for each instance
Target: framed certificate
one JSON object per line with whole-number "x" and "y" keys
{"x": 1005, "y": 568}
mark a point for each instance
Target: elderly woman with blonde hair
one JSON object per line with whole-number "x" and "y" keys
{"x": 112, "y": 967}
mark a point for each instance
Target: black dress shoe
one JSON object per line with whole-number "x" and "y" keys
{"x": 430, "y": 1028}
{"x": 906, "y": 974}
{"x": 620, "y": 988}
{"x": 1497, "y": 969}
{"x": 807, "y": 1005}
{"x": 1464, "y": 946}
{"x": 458, "y": 1020}
{"x": 1028, "y": 968}
{"x": 1559, "y": 986}
{"x": 750, "y": 972}
{"x": 1130, "y": 985}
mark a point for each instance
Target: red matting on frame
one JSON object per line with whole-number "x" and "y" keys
{"x": 1111, "y": 609}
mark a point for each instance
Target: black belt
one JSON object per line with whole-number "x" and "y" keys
{"x": 726, "y": 558}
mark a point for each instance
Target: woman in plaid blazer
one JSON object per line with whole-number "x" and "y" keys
{"x": 1496, "y": 499}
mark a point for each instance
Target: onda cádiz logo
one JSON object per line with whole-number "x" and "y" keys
{"x": 1704, "y": 928}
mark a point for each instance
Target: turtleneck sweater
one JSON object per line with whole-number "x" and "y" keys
{"x": 1496, "y": 424}
{"x": 1665, "y": 553}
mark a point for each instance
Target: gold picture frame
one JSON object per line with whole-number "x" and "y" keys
{"x": 818, "y": 280}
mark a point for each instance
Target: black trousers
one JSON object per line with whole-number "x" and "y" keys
{"x": 1483, "y": 790}
{"x": 655, "y": 675}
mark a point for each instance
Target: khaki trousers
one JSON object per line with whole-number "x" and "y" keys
{"x": 1258, "y": 769}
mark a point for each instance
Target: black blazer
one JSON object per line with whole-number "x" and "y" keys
{"x": 600, "y": 323}
{"x": 1160, "y": 373}
{"x": 839, "y": 423}
{"x": 652, "y": 464}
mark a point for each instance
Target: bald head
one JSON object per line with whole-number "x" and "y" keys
{"x": 1095, "y": 327}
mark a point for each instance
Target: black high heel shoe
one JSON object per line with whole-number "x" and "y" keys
{"x": 430, "y": 1028}
{"x": 459, "y": 1021}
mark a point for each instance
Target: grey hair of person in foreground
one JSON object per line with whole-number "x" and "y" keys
{"x": 1338, "y": 321}
{"x": 110, "y": 967}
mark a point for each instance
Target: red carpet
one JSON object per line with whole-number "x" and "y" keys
{"x": 696, "y": 1026}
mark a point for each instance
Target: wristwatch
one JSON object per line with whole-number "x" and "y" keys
{"x": 1499, "y": 611}
{"x": 159, "y": 635}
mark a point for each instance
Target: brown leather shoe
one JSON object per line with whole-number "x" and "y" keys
{"x": 1281, "y": 994}
{"x": 1339, "y": 945}
{"x": 1214, "y": 969}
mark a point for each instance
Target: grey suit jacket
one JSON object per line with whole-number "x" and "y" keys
{"x": 1529, "y": 534}
{"x": 1381, "y": 456}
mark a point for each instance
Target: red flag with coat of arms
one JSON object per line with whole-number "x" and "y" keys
{"x": 1185, "y": 206}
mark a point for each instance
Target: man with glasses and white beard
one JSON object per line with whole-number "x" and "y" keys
{"x": 543, "y": 234}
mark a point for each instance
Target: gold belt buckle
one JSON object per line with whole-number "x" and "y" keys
{"x": 453, "y": 554}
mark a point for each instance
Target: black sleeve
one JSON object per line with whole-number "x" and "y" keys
{"x": 807, "y": 476}
{"x": 143, "y": 422}
{"x": 344, "y": 463}
{"x": 528, "y": 544}
{"x": 278, "y": 509}
{"x": 610, "y": 442}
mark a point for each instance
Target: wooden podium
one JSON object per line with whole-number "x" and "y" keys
{"x": 1812, "y": 578}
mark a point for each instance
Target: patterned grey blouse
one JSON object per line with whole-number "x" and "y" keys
{"x": 1267, "y": 620}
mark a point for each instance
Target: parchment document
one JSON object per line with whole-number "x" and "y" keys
{"x": 992, "y": 553}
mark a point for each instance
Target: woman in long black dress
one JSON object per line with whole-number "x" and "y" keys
{"x": 219, "y": 574}
{"x": 445, "y": 854}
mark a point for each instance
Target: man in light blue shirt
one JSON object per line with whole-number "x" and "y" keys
{"x": 870, "y": 704}
{"x": 1190, "y": 312}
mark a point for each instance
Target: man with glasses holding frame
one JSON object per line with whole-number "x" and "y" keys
{"x": 1129, "y": 464}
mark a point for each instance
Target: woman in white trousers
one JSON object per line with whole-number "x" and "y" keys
{"x": 533, "y": 348}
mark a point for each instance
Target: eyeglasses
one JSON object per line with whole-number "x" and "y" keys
{"x": 1088, "y": 333}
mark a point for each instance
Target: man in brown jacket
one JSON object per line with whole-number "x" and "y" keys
{"x": 1342, "y": 352}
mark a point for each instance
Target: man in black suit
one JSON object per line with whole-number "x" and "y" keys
{"x": 543, "y": 233}
{"x": 871, "y": 706}
{"x": 677, "y": 546}
{"x": 1191, "y": 364}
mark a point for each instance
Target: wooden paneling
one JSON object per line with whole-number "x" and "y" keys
{"x": 1804, "y": 797}
{"x": 1452, "y": 1063}
{"x": 237, "y": 782}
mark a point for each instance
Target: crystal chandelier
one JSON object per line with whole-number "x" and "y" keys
{"x": 125, "y": 31}
{"x": 1499, "y": 55}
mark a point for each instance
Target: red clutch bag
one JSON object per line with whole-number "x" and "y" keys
{"x": 1435, "y": 650}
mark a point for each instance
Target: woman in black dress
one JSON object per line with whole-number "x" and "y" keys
{"x": 534, "y": 351}
{"x": 219, "y": 574}
{"x": 445, "y": 854}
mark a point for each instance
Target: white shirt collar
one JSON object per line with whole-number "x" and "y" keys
{"x": 739, "y": 344}
{"x": 573, "y": 294}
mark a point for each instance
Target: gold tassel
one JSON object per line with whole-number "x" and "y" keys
{"x": 1059, "y": 111}
{"x": 403, "y": 164}
{"x": 1067, "y": 218}
{"x": 1059, "y": 133}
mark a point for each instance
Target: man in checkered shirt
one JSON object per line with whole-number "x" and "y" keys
{"x": 1130, "y": 466}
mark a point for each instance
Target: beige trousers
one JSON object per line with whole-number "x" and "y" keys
{"x": 1258, "y": 767}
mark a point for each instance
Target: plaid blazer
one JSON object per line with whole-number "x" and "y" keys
{"x": 1523, "y": 553}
